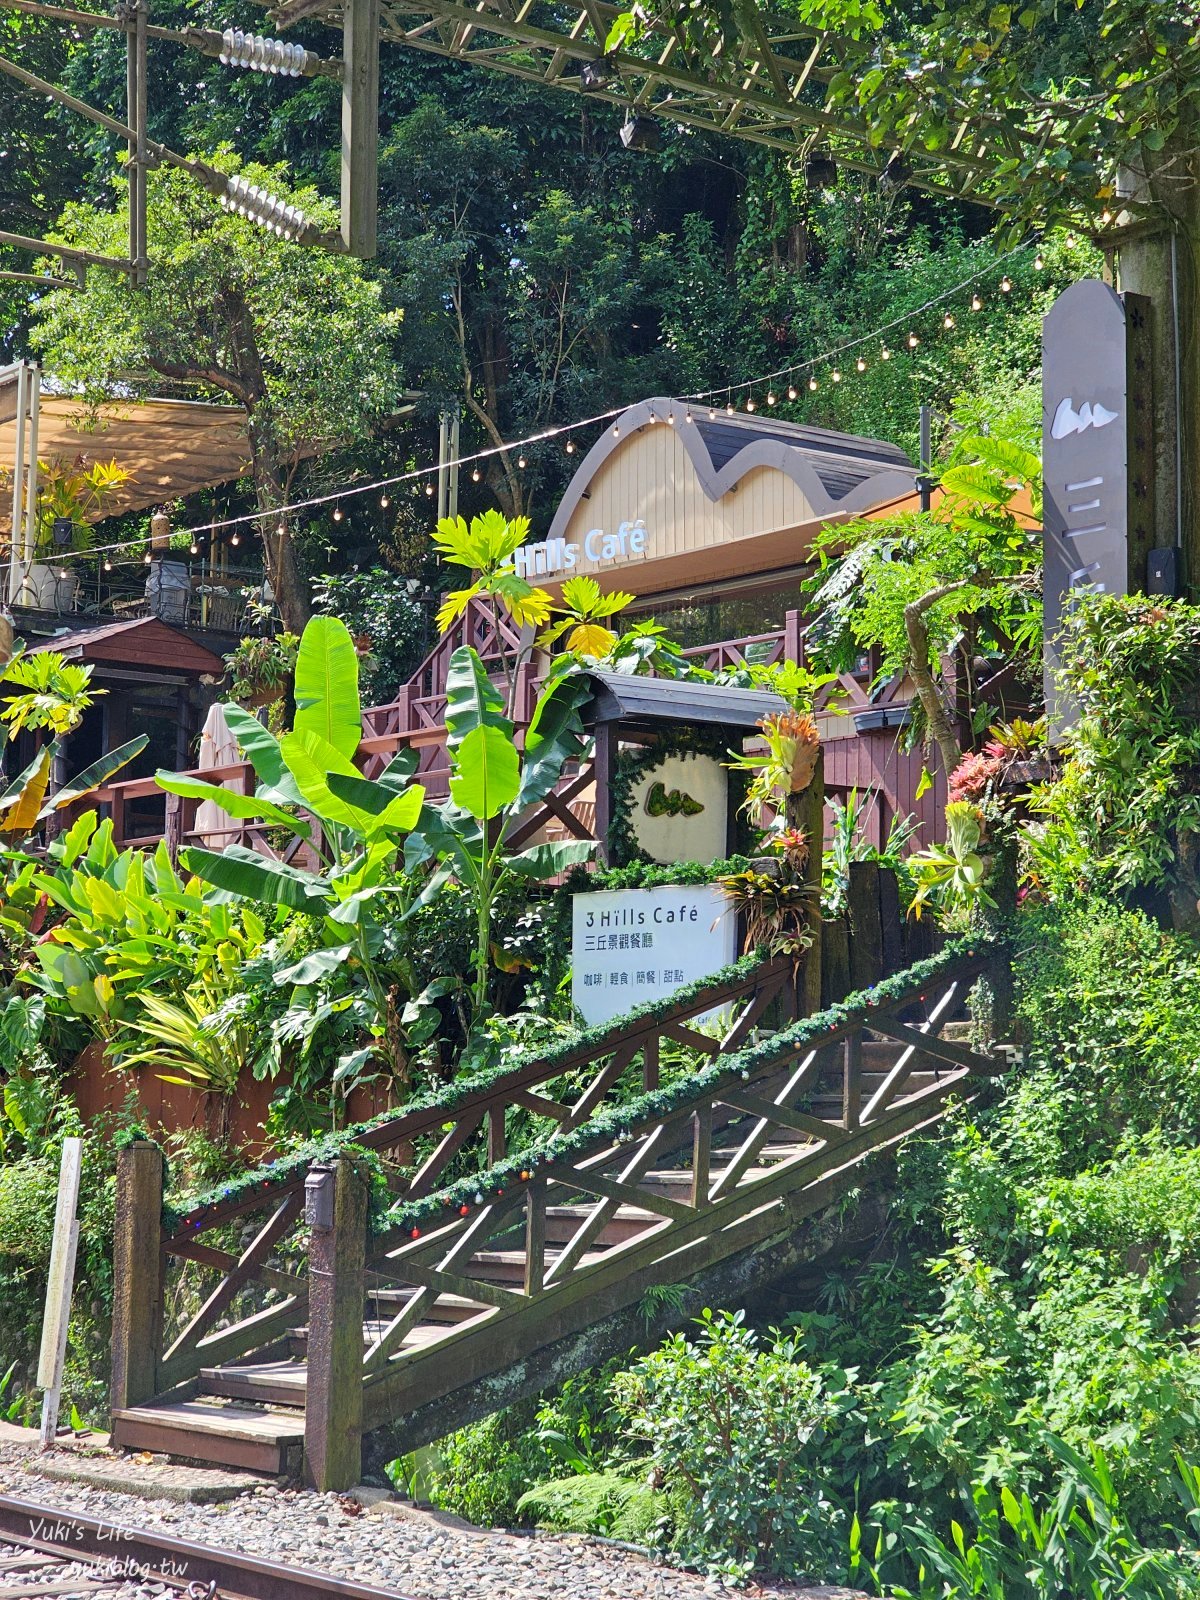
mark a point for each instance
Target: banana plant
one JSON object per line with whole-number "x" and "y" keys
{"x": 492, "y": 786}
{"x": 353, "y": 827}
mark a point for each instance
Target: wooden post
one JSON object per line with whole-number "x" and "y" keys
{"x": 812, "y": 820}
{"x": 603, "y": 734}
{"x": 866, "y": 934}
{"x": 793, "y": 643}
{"x": 58, "y": 1289}
{"x": 852, "y": 1081}
{"x": 835, "y": 961}
{"x": 891, "y": 930}
{"x": 137, "y": 1275}
{"x": 535, "y": 1236}
{"x": 173, "y": 825}
{"x": 336, "y": 1299}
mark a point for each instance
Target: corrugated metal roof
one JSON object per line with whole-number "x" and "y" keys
{"x": 628, "y": 699}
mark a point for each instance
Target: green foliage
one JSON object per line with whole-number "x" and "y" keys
{"x": 1125, "y": 811}
{"x": 379, "y": 609}
{"x": 951, "y": 877}
{"x": 486, "y": 548}
{"x": 733, "y": 1426}
{"x": 491, "y": 784}
{"x": 847, "y": 843}
{"x": 603, "y": 1503}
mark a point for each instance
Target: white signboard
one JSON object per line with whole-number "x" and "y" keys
{"x": 680, "y": 810}
{"x": 556, "y": 555}
{"x": 633, "y": 945}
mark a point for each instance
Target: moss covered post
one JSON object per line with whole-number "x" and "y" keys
{"x": 137, "y": 1275}
{"x": 336, "y": 1213}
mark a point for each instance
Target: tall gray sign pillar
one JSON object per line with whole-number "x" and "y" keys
{"x": 1097, "y": 455}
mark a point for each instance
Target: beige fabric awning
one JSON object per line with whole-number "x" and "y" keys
{"x": 172, "y": 447}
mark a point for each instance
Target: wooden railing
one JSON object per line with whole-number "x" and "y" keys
{"x": 472, "y": 1135}
{"x": 557, "y": 1239}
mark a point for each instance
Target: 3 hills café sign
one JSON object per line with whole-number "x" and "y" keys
{"x": 543, "y": 560}
{"x": 1097, "y": 455}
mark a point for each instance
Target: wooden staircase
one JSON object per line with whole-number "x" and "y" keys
{"x": 432, "y": 1316}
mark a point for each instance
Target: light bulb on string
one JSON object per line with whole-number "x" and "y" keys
{"x": 791, "y": 391}
{"x": 749, "y": 402}
{"x": 146, "y": 559}
{"x": 1039, "y": 261}
{"x": 688, "y": 415}
{"x": 835, "y": 376}
{"x": 616, "y": 431}
{"x": 729, "y": 407}
{"x": 712, "y": 413}
{"x": 976, "y": 303}
{"x": 948, "y": 320}
{"x": 570, "y": 447}
{"x": 913, "y": 341}
{"x": 885, "y": 354}
{"x": 771, "y": 397}
{"x": 338, "y": 513}
{"x": 521, "y": 462}
{"x": 1006, "y": 285}
{"x": 237, "y": 538}
{"x": 476, "y": 475}
{"x": 429, "y": 488}
{"x": 860, "y": 365}
{"x": 670, "y": 419}
{"x": 62, "y": 572}
{"x": 812, "y": 384}
{"x": 107, "y": 564}
{"x": 195, "y": 548}
{"x": 384, "y": 502}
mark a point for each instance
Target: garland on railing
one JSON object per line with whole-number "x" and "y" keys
{"x": 616, "y": 1125}
{"x": 193, "y": 1211}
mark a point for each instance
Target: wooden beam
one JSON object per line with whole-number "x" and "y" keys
{"x": 337, "y": 1296}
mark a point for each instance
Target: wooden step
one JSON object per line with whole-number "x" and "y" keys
{"x": 221, "y": 1433}
{"x": 447, "y": 1308}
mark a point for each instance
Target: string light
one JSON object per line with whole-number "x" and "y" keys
{"x": 384, "y": 502}
{"x": 770, "y": 397}
{"x": 195, "y": 550}
{"x": 429, "y": 490}
{"x": 835, "y": 376}
{"x": 712, "y": 413}
{"x": 948, "y": 320}
{"x": 323, "y": 500}
{"x": 237, "y": 538}
{"x": 670, "y": 419}
{"x": 476, "y": 475}
{"x": 570, "y": 452}
{"x": 791, "y": 391}
{"x": 1039, "y": 261}
{"x": 107, "y": 564}
{"x": 616, "y": 431}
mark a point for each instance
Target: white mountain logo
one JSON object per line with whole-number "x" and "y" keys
{"x": 1068, "y": 420}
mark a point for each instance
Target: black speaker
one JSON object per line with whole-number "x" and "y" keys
{"x": 1163, "y": 575}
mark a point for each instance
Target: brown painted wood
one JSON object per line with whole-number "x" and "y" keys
{"x": 137, "y": 1275}
{"x": 535, "y": 1237}
{"x": 852, "y": 1082}
{"x": 337, "y": 1291}
{"x": 890, "y": 923}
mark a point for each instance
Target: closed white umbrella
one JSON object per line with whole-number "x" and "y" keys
{"x": 218, "y": 748}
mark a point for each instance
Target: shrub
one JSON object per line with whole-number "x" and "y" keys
{"x": 726, "y": 1423}
{"x": 595, "y": 1502}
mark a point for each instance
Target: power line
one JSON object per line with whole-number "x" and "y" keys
{"x": 730, "y": 394}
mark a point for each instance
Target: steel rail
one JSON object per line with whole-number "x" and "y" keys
{"x": 221, "y": 1574}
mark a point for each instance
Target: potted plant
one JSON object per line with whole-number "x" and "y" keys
{"x": 71, "y": 496}
{"x": 261, "y": 668}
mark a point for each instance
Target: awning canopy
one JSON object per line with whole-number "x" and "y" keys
{"x": 647, "y": 704}
{"x": 172, "y": 447}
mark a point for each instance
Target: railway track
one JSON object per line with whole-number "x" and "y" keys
{"x": 48, "y": 1552}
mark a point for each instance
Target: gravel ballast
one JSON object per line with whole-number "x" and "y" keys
{"x": 413, "y": 1553}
